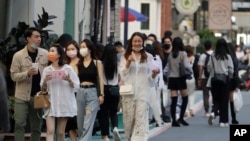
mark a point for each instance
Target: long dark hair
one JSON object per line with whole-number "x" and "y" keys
{"x": 129, "y": 47}
{"x": 231, "y": 50}
{"x": 177, "y": 46}
{"x": 221, "y": 49}
{"x": 109, "y": 59}
{"x": 74, "y": 43}
{"x": 158, "y": 49}
{"x": 60, "y": 52}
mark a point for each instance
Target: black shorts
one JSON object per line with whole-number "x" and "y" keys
{"x": 232, "y": 84}
{"x": 177, "y": 83}
{"x": 71, "y": 124}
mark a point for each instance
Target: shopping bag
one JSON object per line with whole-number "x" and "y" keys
{"x": 238, "y": 100}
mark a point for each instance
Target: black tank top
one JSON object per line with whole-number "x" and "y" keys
{"x": 87, "y": 73}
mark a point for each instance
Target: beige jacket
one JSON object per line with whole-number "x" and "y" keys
{"x": 21, "y": 63}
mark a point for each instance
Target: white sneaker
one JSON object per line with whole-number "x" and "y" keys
{"x": 222, "y": 124}
{"x": 116, "y": 134}
{"x": 206, "y": 115}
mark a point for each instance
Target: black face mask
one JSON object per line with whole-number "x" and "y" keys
{"x": 166, "y": 46}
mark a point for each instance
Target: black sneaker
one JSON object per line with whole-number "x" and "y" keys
{"x": 183, "y": 122}
{"x": 175, "y": 124}
{"x": 166, "y": 119}
{"x": 234, "y": 121}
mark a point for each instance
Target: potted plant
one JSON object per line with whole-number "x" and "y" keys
{"x": 14, "y": 42}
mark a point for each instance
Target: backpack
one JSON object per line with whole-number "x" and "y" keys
{"x": 206, "y": 73}
{"x": 195, "y": 66}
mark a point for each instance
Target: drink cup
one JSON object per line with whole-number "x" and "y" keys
{"x": 35, "y": 65}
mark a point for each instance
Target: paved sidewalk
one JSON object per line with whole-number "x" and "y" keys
{"x": 199, "y": 130}
{"x": 155, "y": 131}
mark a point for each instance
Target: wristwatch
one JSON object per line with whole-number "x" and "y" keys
{"x": 101, "y": 95}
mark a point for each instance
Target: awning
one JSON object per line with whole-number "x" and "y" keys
{"x": 133, "y": 15}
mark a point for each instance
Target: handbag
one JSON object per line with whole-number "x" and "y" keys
{"x": 238, "y": 100}
{"x": 114, "y": 90}
{"x": 219, "y": 77}
{"x": 126, "y": 89}
{"x": 41, "y": 100}
{"x": 184, "y": 72}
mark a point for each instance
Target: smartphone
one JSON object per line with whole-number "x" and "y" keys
{"x": 57, "y": 74}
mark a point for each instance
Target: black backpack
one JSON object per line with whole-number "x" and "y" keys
{"x": 206, "y": 73}
{"x": 195, "y": 66}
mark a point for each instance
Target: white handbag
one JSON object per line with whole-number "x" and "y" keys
{"x": 126, "y": 89}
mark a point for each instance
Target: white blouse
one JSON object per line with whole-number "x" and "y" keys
{"x": 139, "y": 75}
{"x": 61, "y": 95}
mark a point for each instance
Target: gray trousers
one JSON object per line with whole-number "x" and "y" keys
{"x": 86, "y": 100}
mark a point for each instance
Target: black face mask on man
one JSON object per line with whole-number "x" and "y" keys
{"x": 166, "y": 46}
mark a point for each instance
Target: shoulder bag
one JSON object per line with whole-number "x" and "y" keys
{"x": 219, "y": 77}
{"x": 127, "y": 89}
{"x": 184, "y": 72}
{"x": 114, "y": 90}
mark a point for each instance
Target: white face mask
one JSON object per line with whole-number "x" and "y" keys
{"x": 148, "y": 42}
{"x": 137, "y": 49}
{"x": 71, "y": 53}
{"x": 34, "y": 46}
{"x": 84, "y": 52}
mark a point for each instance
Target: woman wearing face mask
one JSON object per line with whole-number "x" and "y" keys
{"x": 72, "y": 58}
{"x": 88, "y": 100}
{"x": 61, "y": 89}
{"x": 135, "y": 69}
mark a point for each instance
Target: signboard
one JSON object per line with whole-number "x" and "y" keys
{"x": 220, "y": 12}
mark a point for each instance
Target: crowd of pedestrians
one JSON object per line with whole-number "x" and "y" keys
{"x": 88, "y": 88}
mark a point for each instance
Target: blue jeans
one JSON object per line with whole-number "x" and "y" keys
{"x": 22, "y": 109}
{"x": 87, "y": 99}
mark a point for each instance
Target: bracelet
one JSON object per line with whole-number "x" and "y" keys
{"x": 101, "y": 95}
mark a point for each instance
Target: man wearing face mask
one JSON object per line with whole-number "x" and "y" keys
{"x": 26, "y": 69}
{"x": 167, "y": 48}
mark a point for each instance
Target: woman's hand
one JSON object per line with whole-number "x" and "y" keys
{"x": 47, "y": 78}
{"x": 131, "y": 58}
{"x": 101, "y": 99}
{"x": 155, "y": 72}
{"x": 67, "y": 78}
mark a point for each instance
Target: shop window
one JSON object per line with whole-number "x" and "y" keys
{"x": 145, "y": 10}
{"x": 112, "y": 4}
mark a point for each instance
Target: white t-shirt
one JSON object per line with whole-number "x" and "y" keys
{"x": 202, "y": 61}
{"x": 240, "y": 54}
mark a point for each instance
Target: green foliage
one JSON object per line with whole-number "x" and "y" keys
{"x": 205, "y": 34}
{"x": 11, "y": 106}
{"x": 15, "y": 41}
